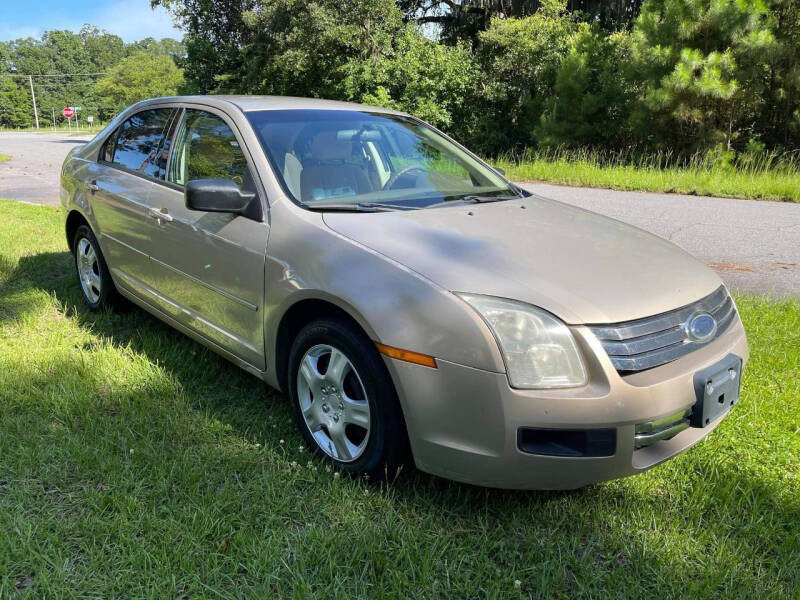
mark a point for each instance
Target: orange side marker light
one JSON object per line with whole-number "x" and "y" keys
{"x": 407, "y": 355}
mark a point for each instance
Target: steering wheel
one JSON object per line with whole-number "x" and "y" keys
{"x": 404, "y": 171}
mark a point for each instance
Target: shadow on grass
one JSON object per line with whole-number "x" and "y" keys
{"x": 726, "y": 515}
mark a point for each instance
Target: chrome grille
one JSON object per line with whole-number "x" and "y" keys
{"x": 653, "y": 341}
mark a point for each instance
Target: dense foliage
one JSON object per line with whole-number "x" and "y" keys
{"x": 65, "y": 64}
{"x": 143, "y": 74}
{"x": 715, "y": 77}
{"x": 460, "y": 19}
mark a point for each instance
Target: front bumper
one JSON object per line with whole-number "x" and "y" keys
{"x": 463, "y": 423}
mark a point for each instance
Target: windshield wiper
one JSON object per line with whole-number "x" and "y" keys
{"x": 360, "y": 207}
{"x": 485, "y": 199}
{"x": 474, "y": 199}
{"x": 390, "y": 206}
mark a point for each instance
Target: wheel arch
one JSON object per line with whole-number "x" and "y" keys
{"x": 74, "y": 220}
{"x": 300, "y": 313}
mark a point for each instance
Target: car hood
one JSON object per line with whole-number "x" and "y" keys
{"x": 578, "y": 265}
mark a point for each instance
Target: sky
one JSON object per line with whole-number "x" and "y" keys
{"x": 130, "y": 19}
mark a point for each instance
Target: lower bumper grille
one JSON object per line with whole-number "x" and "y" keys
{"x": 646, "y": 343}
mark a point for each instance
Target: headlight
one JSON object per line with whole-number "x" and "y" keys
{"x": 538, "y": 349}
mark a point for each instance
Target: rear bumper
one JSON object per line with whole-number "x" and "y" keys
{"x": 464, "y": 423}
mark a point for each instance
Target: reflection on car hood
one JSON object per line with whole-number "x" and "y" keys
{"x": 582, "y": 267}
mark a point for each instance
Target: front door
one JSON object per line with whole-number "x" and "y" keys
{"x": 208, "y": 268}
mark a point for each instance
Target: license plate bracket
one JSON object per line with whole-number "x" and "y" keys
{"x": 717, "y": 390}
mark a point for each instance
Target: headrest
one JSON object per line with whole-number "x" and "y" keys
{"x": 326, "y": 145}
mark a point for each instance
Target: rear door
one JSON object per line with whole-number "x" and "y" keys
{"x": 120, "y": 183}
{"x": 208, "y": 268}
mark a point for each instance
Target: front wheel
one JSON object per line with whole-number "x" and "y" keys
{"x": 90, "y": 266}
{"x": 344, "y": 400}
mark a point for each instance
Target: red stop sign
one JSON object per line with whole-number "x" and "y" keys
{"x": 68, "y": 112}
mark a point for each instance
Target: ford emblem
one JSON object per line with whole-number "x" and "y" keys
{"x": 700, "y": 327}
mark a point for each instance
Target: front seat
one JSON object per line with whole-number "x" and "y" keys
{"x": 326, "y": 172}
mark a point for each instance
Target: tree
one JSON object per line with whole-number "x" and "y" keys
{"x": 215, "y": 33}
{"x": 593, "y": 94}
{"x": 69, "y": 62}
{"x": 103, "y": 49}
{"x": 520, "y": 59}
{"x": 167, "y": 46}
{"x": 701, "y": 63}
{"x": 466, "y": 19}
{"x": 307, "y": 48}
{"x": 67, "y": 56}
{"x": 432, "y": 81}
{"x": 778, "y": 123}
{"x": 137, "y": 77}
{"x": 15, "y": 104}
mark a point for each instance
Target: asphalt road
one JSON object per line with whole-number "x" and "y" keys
{"x": 753, "y": 245}
{"x": 32, "y": 173}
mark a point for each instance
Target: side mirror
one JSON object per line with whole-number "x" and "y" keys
{"x": 499, "y": 170}
{"x": 217, "y": 195}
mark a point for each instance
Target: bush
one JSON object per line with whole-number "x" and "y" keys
{"x": 593, "y": 94}
{"x": 520, "y": 60}
{"x": 429, "y": 80}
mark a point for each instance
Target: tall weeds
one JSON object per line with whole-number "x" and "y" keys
{"x": 757, "y": 175}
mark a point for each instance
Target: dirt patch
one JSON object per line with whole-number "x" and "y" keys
{"x": 723, "y": 266}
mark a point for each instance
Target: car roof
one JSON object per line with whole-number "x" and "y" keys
{"x": 252, "y": 103}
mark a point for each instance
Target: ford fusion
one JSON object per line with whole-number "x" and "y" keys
{"x": 414, "y": 305}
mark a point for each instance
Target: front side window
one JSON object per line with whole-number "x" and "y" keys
{"x": 349, "y": 157}
{"x": 206, "y": 148}
{"x": 139, "y": 138}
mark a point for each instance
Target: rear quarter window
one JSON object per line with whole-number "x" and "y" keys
{"x": 107, "y": 152}
{"x": 138, "y": 139}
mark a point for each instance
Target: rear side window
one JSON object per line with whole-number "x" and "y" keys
{"x": 139, "y": 138}
{"x": 206, "y": 148}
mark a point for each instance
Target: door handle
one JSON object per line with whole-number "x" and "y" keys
{"x": 92, "y": 186}
{"x": 159, "y": 214}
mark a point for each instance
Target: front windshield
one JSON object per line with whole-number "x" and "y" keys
{"x": 348, "y": 157}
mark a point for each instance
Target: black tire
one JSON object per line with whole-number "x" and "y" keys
{"x": 108, "y": 296}
{"x": 387, "y": 448}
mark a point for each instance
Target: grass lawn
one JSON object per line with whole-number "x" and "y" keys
{"x": 760, "y": 183}
{"x": 135, "y": 463}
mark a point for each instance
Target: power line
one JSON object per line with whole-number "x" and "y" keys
{"x": 31, "y": 76}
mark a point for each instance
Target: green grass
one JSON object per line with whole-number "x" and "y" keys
{"x": 764, "y": 177}
{"x": 4, "y": 157}
{"x": 135, "y": 463}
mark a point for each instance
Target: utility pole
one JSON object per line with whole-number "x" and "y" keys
{"x": 54, "y": 118}
{"x": 33, "y": 97}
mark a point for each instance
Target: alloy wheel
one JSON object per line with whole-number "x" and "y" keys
{"x": 88, "y": 270}
{"x": 333, "y": 402}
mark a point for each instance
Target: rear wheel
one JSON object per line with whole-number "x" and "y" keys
{"x": 90, "y": 266}
{"x": 344, "y": 400}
